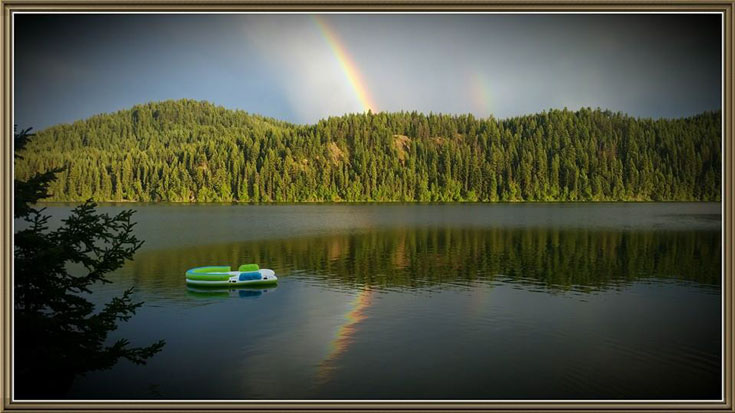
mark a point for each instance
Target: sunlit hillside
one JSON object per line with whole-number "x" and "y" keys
{"x": 186, "y": 150}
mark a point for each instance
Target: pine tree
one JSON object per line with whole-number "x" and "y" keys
{"x": 58, "y": 333}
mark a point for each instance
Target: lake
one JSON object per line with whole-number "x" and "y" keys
{"x": 424, "y": 301}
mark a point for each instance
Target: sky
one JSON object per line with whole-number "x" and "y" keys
{"x": 301, "y": 68}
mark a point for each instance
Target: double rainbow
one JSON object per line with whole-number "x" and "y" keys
{"x": 346, "y": 63}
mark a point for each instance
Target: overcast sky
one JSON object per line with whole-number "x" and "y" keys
{"x": 300, "y": 68}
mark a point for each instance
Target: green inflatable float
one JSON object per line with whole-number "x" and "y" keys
{"x": 222, "y": 276}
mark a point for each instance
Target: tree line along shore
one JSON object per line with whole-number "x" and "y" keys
{"x": 194, "y": 151}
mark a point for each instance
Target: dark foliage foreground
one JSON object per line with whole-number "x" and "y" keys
{"x": 58, "y": 333}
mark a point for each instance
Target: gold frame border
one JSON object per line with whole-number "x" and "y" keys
{"x": 728, "y": 173}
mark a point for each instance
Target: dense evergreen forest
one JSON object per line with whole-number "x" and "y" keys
{"x": 188, "y": 151}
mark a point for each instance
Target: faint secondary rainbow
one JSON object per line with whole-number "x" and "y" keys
{"x": 344, "y": 334}
{"x": 348, "y": 65}
{"x": 481, "y": 96}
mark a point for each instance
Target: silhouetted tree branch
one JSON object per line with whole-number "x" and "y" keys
{"x": 58, "y": 334}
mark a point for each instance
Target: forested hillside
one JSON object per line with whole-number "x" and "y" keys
{"x": 194, "y": 151}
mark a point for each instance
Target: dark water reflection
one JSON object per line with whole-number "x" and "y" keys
{"x": 464, "y": 302}
{"x": 410, "y": 258}
{"x": 243, "y": 292}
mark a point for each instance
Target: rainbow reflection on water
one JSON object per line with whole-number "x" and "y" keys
{"x": 344, "y": 336}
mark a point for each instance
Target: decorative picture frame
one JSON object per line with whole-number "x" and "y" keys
{"x": 449, "y": 6}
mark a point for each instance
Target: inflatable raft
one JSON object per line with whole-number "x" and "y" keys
{"x": 222, "y": 276}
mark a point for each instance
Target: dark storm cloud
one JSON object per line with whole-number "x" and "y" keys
{"x": 69, "y": 67}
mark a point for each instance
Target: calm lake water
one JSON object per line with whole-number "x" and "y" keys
{"x": 468, "y": 301}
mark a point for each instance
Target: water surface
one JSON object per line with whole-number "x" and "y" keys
{"x": 467, "y": 301}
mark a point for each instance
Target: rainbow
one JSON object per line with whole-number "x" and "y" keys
{"x": 348, "y": 65}
{"x": 481, "y": 96}
{"x": 344, "y": 334}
